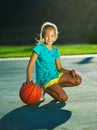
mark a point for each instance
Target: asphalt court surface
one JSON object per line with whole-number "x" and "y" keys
{"x": 78, "y": 113}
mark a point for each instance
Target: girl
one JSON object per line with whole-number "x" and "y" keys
{"x": 49, "y": 71}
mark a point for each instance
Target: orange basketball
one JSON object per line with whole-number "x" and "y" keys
{"x": 30, "y": 93}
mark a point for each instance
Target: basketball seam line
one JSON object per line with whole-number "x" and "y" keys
{"x": 29, "y": 95}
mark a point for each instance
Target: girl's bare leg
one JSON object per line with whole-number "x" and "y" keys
{"x": 57, "y": 92}
{"x": 67, "y": 80}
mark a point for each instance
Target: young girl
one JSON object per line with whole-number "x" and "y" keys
{"x": 49, "y": 71}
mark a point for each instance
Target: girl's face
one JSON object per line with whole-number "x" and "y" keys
{"x": 50, "y": 36}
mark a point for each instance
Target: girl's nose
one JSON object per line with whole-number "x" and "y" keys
{"x": 49, "y": 38}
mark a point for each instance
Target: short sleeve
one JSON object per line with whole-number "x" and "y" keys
{"x": 37, "y": 49}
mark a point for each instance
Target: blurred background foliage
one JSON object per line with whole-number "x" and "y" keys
{"x": 20, "y": 20}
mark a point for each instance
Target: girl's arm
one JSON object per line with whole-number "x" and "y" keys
{"x": 30, "y": 66}
{"x": 59, "y": 66}
{"x": 61, "y": 69}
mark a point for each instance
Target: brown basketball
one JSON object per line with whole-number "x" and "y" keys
{"x": 30, "y": 93}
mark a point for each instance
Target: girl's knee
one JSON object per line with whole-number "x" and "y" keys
{"x": 77, "y": 81}
{"x": 63, "y": 98}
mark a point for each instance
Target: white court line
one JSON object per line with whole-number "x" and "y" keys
{"x": 80, "y": 56}
{"x": 12, "y": 59}
{"x": 67, "y": 56}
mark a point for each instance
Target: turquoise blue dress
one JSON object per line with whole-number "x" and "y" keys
{"x": 46, "y": 63}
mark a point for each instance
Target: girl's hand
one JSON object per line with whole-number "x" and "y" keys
{"x": 28, "y": 82}
{"x": 74, "y": 75}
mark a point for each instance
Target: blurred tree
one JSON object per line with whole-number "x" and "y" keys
{"x": 21, "y": 20}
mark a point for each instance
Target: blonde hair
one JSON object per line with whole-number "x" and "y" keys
{"x": 44, "y": 27}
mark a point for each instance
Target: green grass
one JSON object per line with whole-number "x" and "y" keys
{"x": 77, "y": 49}
{"x": 15, "y": 51}
{"x": 25, "y": 51}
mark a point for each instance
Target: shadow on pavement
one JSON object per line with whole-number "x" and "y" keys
{"x": 85, "y": 60}
{"x": 35, "y": 117}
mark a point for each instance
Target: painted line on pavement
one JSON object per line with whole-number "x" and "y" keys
{"x": 67, "y": 56}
